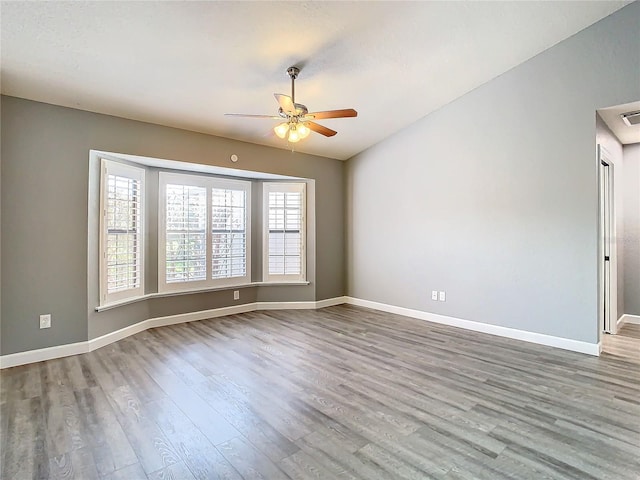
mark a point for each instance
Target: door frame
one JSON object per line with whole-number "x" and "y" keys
{"x": 607, "y": 269}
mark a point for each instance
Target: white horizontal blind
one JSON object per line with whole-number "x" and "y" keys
{"x": 285, "y": 236}
{"x": 228, "y": 233}
{"x": 185, "y": 233}
{"x": 121, "y": 226}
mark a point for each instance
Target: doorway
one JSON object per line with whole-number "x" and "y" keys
{"x": 608, "y": 258}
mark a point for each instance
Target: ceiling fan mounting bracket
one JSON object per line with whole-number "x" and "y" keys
{"x": 293, "y": 72}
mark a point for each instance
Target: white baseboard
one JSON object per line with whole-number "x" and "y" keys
{"x": 626, "y": 318}
{"x": 329, "y": 302}
{"x": 125, "y": 332}
{"x": 539, "y": 338}
{"x": 60, "y": 351}
{"x": 42, "y": 354}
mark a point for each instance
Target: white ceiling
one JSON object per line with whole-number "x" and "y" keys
{"x": 185, "y": 64}
{"x": 626, "y": 134}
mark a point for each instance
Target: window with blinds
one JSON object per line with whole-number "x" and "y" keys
{"x": 228, "y": 233}
{"x": 203, "y": 231}
{"x": 284, "y": 246}
{"x": 121, "y": 239}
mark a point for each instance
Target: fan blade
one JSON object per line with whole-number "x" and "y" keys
{"x": 322, "y": 130}
{"x": 286, "y": 103}
{"x": 251, "y": 116}
{"x": 347, "y": 112}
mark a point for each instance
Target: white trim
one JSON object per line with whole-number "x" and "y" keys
{"x": 330, "y": 302}
{"x": 208, "y": 184}
{"x": 125, "y": 332}
{"x": 626, "y": 318}
{"x": 109, "y": 167}
{"x": 310, "y": 305}
{"x": 539, "y": 338}
{"x": 60, "y": 351}
{"x": 286, "y": 187}
{"x": 42, "y": 354}
{"x": 49, "y": 353}
{"x": 189, "y": 167}
{"x": 608, "y": 290}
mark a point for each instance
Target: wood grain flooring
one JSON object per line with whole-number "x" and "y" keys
{"x": 338, "y": 393}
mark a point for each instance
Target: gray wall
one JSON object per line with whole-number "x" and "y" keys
{"x": 45, "y": 219}
{"x": 493, "y": 198}
{"x": 606, "y": 138}
{"x": 632, "y": 228}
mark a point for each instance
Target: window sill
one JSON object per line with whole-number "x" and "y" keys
{"x": 147, "y": 296}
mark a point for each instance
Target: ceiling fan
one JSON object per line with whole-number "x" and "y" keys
{"x": 298, "y": 122}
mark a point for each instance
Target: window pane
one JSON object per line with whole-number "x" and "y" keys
{"x": 186, "y": 237}
{"x": 292, "y": 246}
{"x": 228, "y": 233}
{"x": 123, "y": 221}
{"x": 285, "y": 222}
{"x": 292, "y": 265}
{"x": 276, "y": 265}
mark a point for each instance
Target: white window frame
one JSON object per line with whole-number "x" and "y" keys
{"x": 108, "y": 167}
{"x": 268, "y": 187}
{"x": 209, "y": 183}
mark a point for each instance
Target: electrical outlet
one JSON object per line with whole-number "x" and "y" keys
{"x": 45, "y": 321}
{"x": 434, "y": 295}
{"x": 443, "y": 297}
{"x": 236, "y": 294}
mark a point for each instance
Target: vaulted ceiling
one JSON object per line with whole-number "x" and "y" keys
{"x": 185, "y": 64}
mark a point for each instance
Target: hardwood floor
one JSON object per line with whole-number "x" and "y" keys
{"x": 626, "y": 344}
{"x": 338, "y": 393}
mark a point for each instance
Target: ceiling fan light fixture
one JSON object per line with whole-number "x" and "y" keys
{"x": 281, "y": 130}
{"x": 303, "y": 130}
{"x": 294, "y": 135}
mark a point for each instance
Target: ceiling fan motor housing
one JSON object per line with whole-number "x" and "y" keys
{"x": 300, "y": 111}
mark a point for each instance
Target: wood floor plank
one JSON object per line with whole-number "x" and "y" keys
{"x": 132, "y": 472}
{"x": 250, "y": 462}
{"x": 239, "y": 414}
{"x": 338, "y": 393}
{"x": 84, "y": 465}
{"x": 177, "y": 471}
{"x": 301, "y": 466}
{"x": 208, "y": 420}
{"x": 358, "y": 466}
{"x": 110, "y": 446}
{"x": 61, "y": 467}
{"x": 195, "y": 450}
{"x": 391, "y": 464}
{"x": 102, "y": 368}
{"x": 25, "y": 455}
{"x": 153, "y": 449}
